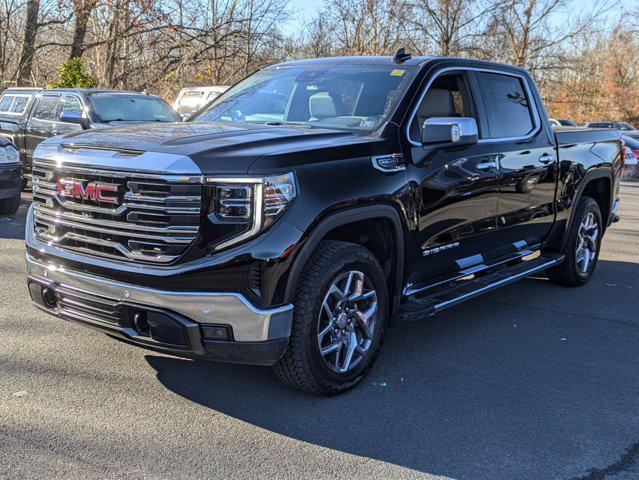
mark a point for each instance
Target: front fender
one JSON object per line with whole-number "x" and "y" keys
{"x": 322, "y": 227}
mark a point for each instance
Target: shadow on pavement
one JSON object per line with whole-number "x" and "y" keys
{"x": 520, "y": 384}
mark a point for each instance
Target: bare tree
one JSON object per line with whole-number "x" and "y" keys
{"x": 528, "y": 34}
{"x": 10, "y": 15}
{"x": 449, "y": 27}
{"x": 31, "y": 26}
{"x": 82, "y": 12}
{"x": 369, "y": 27}
{"x": 581, "y": 57}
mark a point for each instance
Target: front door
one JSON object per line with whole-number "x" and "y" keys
{"x": 70, "y": 104}
{"x": 457, "y": 188}
{"x": 41, "y": 124}
{"x": 527, "y": 162}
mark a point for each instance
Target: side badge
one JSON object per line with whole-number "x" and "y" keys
{"x": 449, "y": 246}
{"x": 389, "y": 163}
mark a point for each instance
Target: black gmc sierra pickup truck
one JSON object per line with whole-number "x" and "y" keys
{"x": 310, "y": 205}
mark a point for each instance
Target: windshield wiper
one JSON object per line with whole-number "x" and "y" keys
{"x": 293, "y": 124}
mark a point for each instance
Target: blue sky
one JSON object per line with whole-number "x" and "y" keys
{"x": 307, "y": 7}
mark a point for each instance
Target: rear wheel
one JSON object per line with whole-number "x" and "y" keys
{"x": 582, "y": 246}
{"x": 9, "y": 206}
{"x": 341, "y": 312}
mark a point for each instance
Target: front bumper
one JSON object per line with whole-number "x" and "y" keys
{"x": 10, "y": 180}
{"x": 218, "y": 326}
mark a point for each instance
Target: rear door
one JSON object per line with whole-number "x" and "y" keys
{"x": 41, "y": 124}
{"x": 457, "y": 186}
{"x": 527, "y": 161}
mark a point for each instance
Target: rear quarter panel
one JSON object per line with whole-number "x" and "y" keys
{"x": 584, "y": 155}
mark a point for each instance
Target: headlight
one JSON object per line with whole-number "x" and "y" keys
{"x": 9, "y": 154}
{"x": 249, "y": 205}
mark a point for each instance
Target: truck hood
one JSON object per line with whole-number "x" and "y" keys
{"x": 213, "y": 147}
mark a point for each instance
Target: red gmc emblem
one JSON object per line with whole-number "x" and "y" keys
{"x": 94, "y": 191}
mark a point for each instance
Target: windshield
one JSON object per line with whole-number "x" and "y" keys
{"x": 626, "y": 126}
{"x": 352, "y": 97}
{"x": 116, "y": 107}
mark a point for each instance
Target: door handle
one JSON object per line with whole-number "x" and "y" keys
{"x": 547, "y": 158}
{"x": 486, "y": 165}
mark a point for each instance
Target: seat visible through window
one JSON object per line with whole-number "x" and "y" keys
{"x": 446, "y": 97}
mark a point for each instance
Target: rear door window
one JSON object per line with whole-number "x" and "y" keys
{"x": 46, "y": 108}
{"x": 508, "y": 107}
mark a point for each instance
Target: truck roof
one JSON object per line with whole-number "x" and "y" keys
{"x": 93, "y": 91}
{"x": 86, "y": 91}
{"x": 369, "y": 60}
{"x": 27, "y": 90}
{"x": 415, "y": 61}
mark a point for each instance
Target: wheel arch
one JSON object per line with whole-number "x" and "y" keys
{"x": 336, "y": 226}
{"x": 597, "y": 184}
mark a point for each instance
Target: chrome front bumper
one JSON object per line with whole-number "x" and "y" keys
{"x": 248, "y": 323}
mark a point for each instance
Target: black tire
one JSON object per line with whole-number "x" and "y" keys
{"x": 569, "y": 273}
{"x": 302, "y": 366}
{"x": 9, "y": 206}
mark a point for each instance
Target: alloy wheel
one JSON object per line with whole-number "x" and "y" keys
{"x": 587, "y": 238}
{"x": 347, "y": 321}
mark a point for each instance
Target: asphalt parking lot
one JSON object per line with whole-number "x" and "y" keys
{"x": 533, "y": 381}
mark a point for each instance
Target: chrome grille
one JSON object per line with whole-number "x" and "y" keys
{"x": 155, "y": 219}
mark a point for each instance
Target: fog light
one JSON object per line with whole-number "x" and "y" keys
{"x": 49, "y": 298}
{"x": 141, "y": 324}
{"x": 215, "y": 332}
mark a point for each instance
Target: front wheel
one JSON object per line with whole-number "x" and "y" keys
{"x": 582, "y": 246}
{"x": 340, "y": 317}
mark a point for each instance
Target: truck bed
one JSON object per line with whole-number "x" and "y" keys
{"x": 566, "y": 136}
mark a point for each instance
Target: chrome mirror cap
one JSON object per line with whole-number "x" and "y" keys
{"x": 450, "y": 131}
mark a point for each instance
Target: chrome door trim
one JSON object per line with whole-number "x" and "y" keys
{"x": 528, "y": 91}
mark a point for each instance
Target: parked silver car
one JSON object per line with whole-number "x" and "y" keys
{"x": 626, "y": 129}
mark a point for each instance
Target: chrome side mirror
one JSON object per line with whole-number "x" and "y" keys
{"x": 449, "y": 131}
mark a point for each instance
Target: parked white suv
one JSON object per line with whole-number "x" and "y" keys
{"x": 191, "y": 99}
